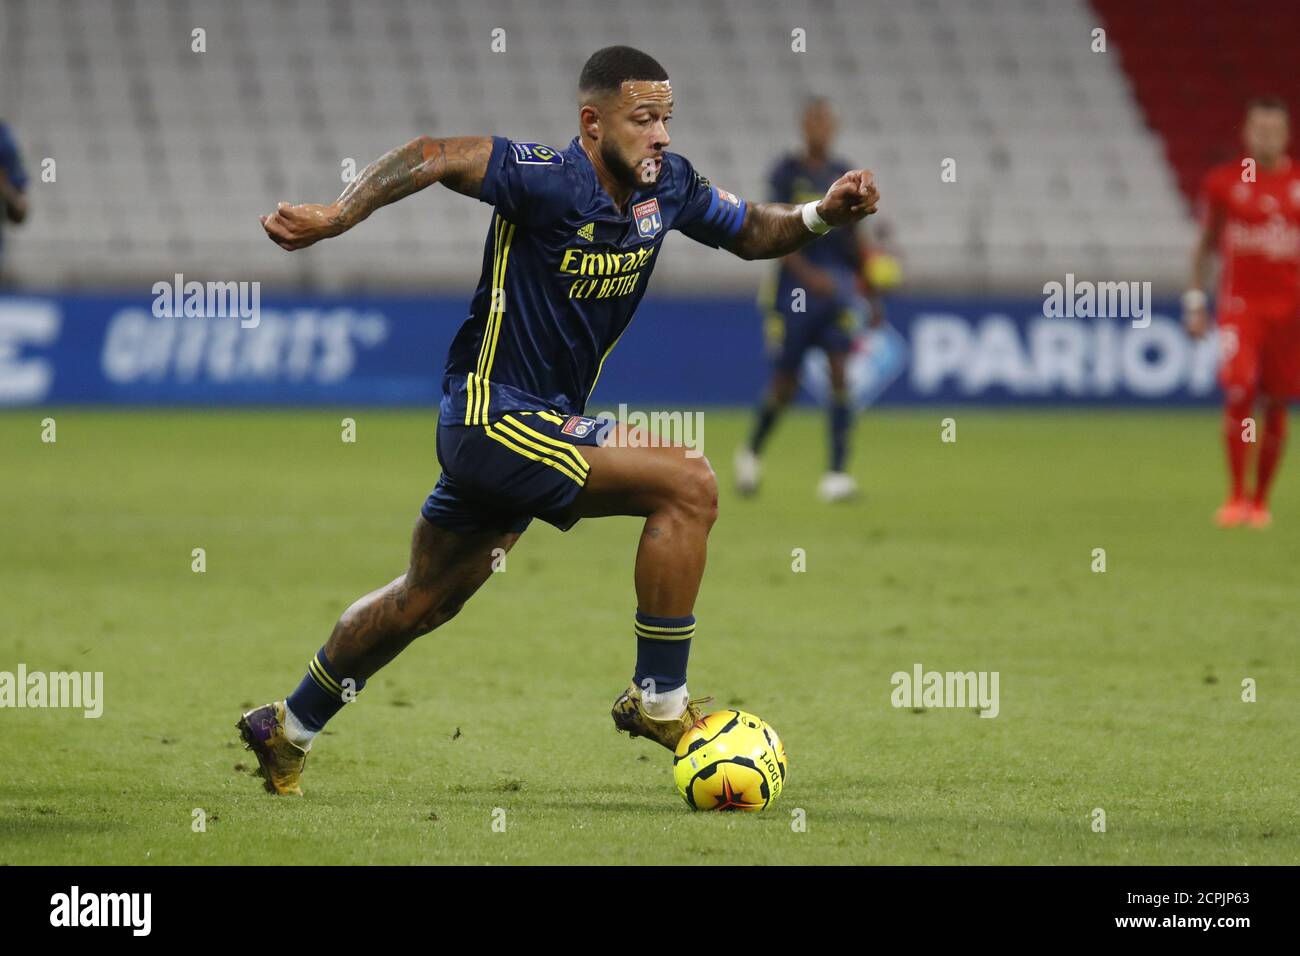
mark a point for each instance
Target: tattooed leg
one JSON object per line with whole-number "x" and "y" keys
{"x": 446, "y": 569}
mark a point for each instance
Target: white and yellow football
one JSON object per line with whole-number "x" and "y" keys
{"x": 729, "y": 760}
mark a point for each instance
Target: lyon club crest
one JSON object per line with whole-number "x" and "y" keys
{"x": 648, "y": 221}
{"x": 579, "y": 427}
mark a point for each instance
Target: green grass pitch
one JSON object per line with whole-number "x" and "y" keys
{"x": 1119, "y": 690}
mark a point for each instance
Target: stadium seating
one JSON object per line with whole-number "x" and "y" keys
{"x": 1195, "y": 63}
{"x": 165, "y": 156}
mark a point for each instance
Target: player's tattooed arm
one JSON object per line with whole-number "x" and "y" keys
{"x": 459, "y": 163}
{"x": 773, "y": 229}
{"x": 770, "y": 230}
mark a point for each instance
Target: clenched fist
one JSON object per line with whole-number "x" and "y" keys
{"x": 850, "y": 199}
{"x": 296, "y": 227}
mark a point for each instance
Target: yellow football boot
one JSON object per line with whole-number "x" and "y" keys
{"x": 631, "y": 719}
{"x": 281, "y": 760}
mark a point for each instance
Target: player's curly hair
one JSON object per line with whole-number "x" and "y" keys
{"x": 607, "y": 69}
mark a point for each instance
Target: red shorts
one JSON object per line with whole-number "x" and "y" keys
{"x": 1259, "y": 346}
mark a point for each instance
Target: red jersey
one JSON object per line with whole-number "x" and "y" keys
{"x": 1260, "y": 239}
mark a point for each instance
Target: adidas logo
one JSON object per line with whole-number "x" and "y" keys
{"x": 588, "y": 231}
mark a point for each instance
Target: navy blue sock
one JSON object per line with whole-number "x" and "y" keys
{"x": 663, "y": 645}
{"x": 320, "y": 695}
{"x": 767, "y": 414}
{"x": 840, "y": 419}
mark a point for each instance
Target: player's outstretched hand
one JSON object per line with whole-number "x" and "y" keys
{"x": 296, "y": 227}
{"x": 850, "y": 199}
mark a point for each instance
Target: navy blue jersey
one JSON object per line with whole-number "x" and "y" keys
{"x": 563, "y": 271}
{"x": 793, "y": 181}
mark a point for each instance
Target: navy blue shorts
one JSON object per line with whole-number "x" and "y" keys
{"x": 498, "y": 477}
{"x": 791, "y": 334}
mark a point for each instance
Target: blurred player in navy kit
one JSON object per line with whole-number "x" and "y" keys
{"x": 811, "y": 302}
{"x": 13, "y": 187}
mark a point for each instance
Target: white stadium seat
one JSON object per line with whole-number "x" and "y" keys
{"x": 170, "y": 149}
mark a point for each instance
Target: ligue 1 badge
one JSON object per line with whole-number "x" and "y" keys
{"x": 536, "y": 154}
{"x": 578, "y": 427}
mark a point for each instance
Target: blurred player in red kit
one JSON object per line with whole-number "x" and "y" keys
{"x": 1251, "y": 217}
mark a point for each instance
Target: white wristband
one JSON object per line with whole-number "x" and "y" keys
{"x": 1193, "y": 299}
{"x": 814, "y": 222}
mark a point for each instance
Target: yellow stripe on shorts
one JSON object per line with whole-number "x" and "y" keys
{"x": 574, "y": 455}
{"x": 509, "y": 441}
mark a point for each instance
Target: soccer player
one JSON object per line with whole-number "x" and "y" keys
{"x": 809, "y": 303}
{"x": 1251, "y": 214}
{"x": 574, "y": 238}
{"x": 13, "y": 185}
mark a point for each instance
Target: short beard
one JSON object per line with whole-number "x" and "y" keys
{"x": 625, "y": 175}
